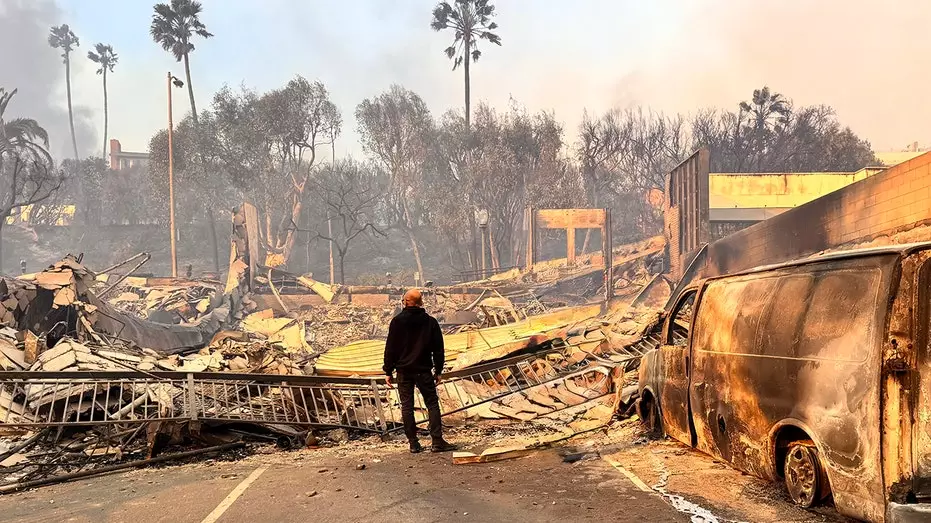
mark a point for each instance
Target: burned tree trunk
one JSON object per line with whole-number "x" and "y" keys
{"x": 213, "y": 239}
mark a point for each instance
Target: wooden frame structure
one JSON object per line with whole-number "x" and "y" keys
{"x": 570, "y": 220}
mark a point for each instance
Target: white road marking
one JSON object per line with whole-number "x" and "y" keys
{"x": 233, "y": 496}
{"x": 630, "y": 475}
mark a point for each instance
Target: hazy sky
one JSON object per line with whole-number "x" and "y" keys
{"x": 864, "y": 57}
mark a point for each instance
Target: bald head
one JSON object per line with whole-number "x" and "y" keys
{"x": 413, "y": 298}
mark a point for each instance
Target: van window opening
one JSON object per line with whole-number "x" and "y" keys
{"x": 682, "y": 322}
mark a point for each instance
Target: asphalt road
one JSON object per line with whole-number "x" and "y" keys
{"x": 326, "y": 486}
{"x": 614, "y": 475}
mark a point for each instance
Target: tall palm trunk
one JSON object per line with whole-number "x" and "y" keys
{"x": 468, "y": 58}
{"x": 106, "y": 116}
{"x": 210, "y": 218}
{"x": 2, "y": 220}
{"x": 190, "y": 88}
{"x": 74, "y": 141}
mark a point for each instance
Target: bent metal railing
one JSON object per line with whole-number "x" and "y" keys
{"x": 50, "y": 399}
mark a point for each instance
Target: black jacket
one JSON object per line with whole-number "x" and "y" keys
{"x": 415, "y": 343}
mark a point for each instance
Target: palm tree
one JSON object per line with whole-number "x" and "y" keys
{"x": 766, "y": 109}
{"x": 21, "y": 135}
{"x": 23, "y": 141}
{"x": 471, "y": 21}
{"x": 106, "y": 59}
{"x": 765, "y": 116}
{"x": 62, "y": 37}
{"x": 173, "y": 26}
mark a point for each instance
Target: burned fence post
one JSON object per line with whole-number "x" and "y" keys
{"x": 376, "y": 396}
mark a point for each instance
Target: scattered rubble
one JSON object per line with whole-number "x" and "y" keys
{"x": 102, "y": 371}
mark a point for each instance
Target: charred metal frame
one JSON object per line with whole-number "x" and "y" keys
{"x": 59, "y": 399}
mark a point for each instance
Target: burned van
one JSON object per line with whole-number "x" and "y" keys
{"x": 815, "y": 372}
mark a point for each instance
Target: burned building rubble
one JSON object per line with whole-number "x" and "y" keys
{"x": 110, "y": 370}
{"x": 102, "y": 371}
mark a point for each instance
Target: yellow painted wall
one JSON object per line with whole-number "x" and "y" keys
{"x": 66, "y": 215}
{"x": 781, "y": 190}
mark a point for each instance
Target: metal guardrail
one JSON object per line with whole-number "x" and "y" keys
{"x": 44, "y": 399}
{"x": 53, "y": 399}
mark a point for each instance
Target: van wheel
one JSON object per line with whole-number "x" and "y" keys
{"x": 803, "y": 474}
{"x": 651, "y": 417}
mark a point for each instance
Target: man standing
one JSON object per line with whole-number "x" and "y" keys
{"x": 415, "y": 349}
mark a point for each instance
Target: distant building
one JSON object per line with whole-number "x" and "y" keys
{"x": 891, "y": 158}
{"x": 739, "y": 200}
{"x": 120, "y": 159}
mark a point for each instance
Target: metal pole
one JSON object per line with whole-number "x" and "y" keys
{"x": 484, "y": 265}
{"x": 171, "y": 188}
{"x": 329, "y": 226}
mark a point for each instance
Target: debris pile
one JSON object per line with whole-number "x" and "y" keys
{"x": 177, "y": 301}
{"x": 108, "y": 370}
{"x": 335, "y": 325}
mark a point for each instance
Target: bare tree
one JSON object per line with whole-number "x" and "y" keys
{"x": 298, "y": 119}
{"x": 769, "y": 134}
{"x": 397, "y": 131}
{"x": 350, "y": 192}
{"x": 267, "y": 145}
{"x": 507, "y": 161}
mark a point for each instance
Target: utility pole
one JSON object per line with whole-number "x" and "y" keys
{"x": 171, "y": 183}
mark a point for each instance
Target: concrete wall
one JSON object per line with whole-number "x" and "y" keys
{"x": 879, "y": 206}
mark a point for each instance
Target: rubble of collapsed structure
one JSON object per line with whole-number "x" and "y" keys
{"x": 108, "y": 370}
{"x": 102, "y": 371}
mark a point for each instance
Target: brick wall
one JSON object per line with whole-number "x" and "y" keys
{"x": 685, "y": 213}
{"x": 879, "y": 206}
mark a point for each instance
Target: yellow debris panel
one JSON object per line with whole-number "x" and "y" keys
{"x": 365, "y": 358}
{"x": 322, "y": 289}
{"x": 292, "y": 337}
{"x": 265, "y": 327}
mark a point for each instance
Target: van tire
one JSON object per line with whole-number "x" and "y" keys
{"x": 804, "y": 477}
{"x": 651, "y": 417}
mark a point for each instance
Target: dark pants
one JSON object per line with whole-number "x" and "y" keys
{"x": 424, "y": 381}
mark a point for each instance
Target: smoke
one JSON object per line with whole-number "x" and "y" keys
{"x": 859, "y": 56}
{"x": 30, "y": 65}
{"x": 864, "y": 58}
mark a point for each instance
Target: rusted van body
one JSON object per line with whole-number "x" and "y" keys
{"x": 816, "y": 372}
